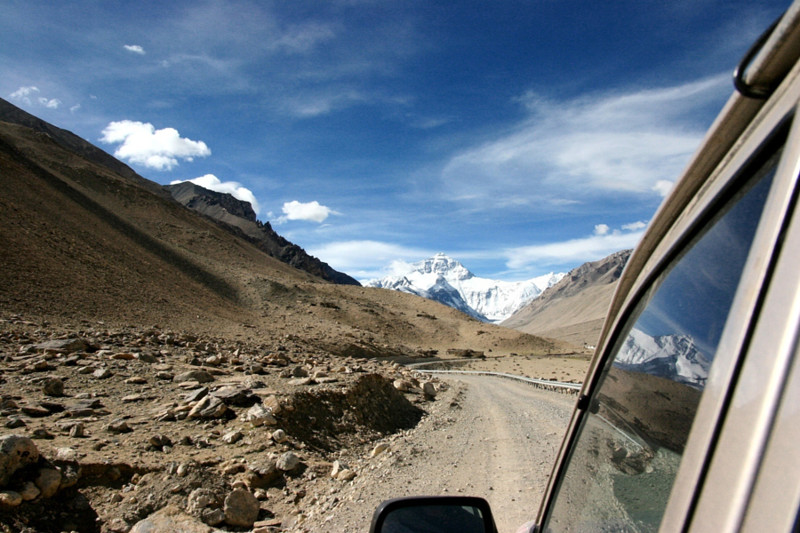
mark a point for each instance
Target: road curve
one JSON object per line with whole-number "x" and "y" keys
{"x": 488, "y": 436}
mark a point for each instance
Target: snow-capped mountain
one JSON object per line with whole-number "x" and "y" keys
{"x": 671, "y": 356}
{"x": 446, "y": 280}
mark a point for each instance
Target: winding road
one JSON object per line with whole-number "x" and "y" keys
{"x": 496, "y": 438}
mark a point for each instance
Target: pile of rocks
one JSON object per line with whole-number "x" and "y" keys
{"x": 156, "y": 425}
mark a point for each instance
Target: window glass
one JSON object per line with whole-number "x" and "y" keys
{"x": 628, "y": 448}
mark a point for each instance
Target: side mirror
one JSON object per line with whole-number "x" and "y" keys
{"x": 433, "y": 514}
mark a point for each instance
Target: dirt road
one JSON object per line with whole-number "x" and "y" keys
{"x": 486, "y": 436}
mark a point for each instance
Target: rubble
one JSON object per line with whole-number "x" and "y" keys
{"x": 140, "y": 429}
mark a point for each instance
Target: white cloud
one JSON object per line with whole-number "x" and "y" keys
{"x": 663, "y": 187}
{"x": 158, "y": 149}
{"x": 134, "y": 48}
{"x": 23, "y": 94}
{"x": 310, "y": 211}
{"x": 50, "y": 103}
{"x": 635, "y": 226}
{"x": 601, "y": 229}
{"x": 27, "y": 95}
{"x": 211, "y": 182}
{"x": 634, "y": 142}
{"x": 575, "y": 251}
{"x": 366, "y": 259}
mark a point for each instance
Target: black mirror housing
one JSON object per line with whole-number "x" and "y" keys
{"x": 433, "y": 514}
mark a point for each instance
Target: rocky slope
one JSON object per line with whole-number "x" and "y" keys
{"x": 239, "y": 217}
{"x": 573, "y": 310}
{"x": 145, "y": 352}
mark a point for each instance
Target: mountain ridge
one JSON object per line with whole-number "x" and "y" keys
{"x": 239, "y": 217}
{"x": 84, "y": 244}
{"x": 575, "y": 308}
{"x": 444, "y": 279}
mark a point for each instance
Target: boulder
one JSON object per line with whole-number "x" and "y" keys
{"x": 15, "y": 452}
{"x": 170, "y": 518}
{"x": 241, "y": 508}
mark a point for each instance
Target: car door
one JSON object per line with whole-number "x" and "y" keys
{"x": 673, "y": 424}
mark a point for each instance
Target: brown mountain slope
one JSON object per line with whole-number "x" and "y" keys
{"x": 574, "y": 309}
{"x": 82, "y": 241}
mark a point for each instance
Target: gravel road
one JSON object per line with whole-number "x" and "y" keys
{"x": 486, "y": 436}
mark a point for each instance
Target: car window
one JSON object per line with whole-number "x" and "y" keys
{"x": 629, "y": 444}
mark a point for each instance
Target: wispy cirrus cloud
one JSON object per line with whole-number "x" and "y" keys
{"x": 601, "y": 243}
{"x": 141, "y": 143}
{"x": 633, "y": 142}
{"x": 28, "y": 95}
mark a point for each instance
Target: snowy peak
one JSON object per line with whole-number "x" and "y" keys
{"x": 671, "y": 356}
{"x": 447, "y": 281}
{"x": 443, "y": 266}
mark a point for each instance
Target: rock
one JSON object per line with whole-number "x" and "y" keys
{"x": 196, "y": 395}
{"x": 241, "y": 508}
{"x": 136, "y": 380}
{"x": 338, "y": 467}
{"x": 64, "y": 346}
{"x": 200, "y": 499}
{"x": 238, "y": 396}
{"x": 346, "y": 475}
{"x": 78, "y": 430}
{"x": 272, "y": 403}
{"x": 261, "y": 475}
{"x": 67, "y": 454}
{"x": 429, "y": 390}
{"x": 232, "y": 437}
{"x": 287, "y": 462}
{"x": 379, "y": 449}
{"x": 170, "y": 518}
{"x": 258, "y": 415}
{"x": 15, "y": 452}
{"x": 117, "y": 525}
{"x": 299, "y": 372}
{"x": 10, "y": 498}
{"x": 53, "y": 387}
{"x": 15, "y": 422}
{"x": 209, "y": 407}
{"x": 119, "y": 426}
{"x": 102, "y": 373}
{"x": 29, "y": 491}
{"x": 48, "y": 481}
{"x": 403, "y": 385}
{"x": 42, "y": 433}
{"x": 200, "y": 376}
{"x": 35, "y": 411}
{"x": 279, "y": 436}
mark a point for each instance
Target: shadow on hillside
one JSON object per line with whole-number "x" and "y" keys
{"x": 197, "y": 273}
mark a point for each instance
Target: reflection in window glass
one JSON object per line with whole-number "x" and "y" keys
{"x": 628, "y": 449}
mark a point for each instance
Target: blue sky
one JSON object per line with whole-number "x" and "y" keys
{"x": 520, "y": 137}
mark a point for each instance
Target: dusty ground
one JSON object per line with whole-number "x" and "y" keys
{"x": 488, "y": 437}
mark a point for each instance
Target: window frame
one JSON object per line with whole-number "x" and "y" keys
{"x": 721, "y": 183}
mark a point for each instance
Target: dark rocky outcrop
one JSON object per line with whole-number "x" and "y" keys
{"x": 239, "y": 218}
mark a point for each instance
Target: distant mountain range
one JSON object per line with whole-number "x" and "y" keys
{"x": 447, "y": 281}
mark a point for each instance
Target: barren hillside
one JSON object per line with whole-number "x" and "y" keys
{"x": 573, "y": 310}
